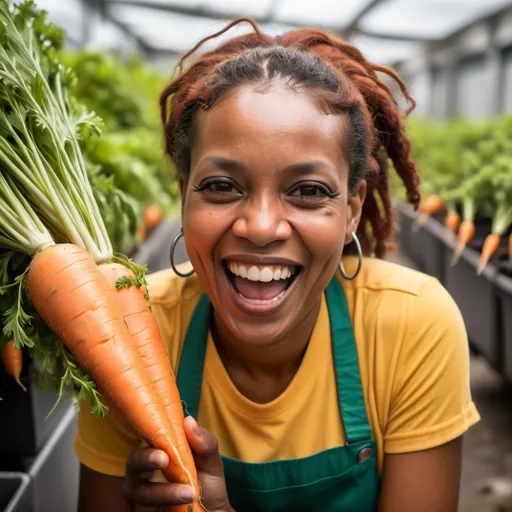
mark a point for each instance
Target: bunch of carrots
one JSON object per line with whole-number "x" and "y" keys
{"x": 82, "y": 311}
{"x": 466, "y": 168}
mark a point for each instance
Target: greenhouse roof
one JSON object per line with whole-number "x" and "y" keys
{"x": 386, "y": 30}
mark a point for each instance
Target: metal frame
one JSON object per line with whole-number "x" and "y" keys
{"x": 351, "y": 29}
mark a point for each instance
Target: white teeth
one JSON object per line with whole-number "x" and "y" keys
{"x": 263, "y": 302}
{"x": 265, "y": 274}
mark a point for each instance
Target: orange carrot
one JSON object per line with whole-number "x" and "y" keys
{"x": 432, "y": 204}
{"x": 12, "y": 359}
{"x": 153, "y": 215}
{"x": 142, "y": 326}
{"x": 466, "y": 234}
{"x": 452, "y": 221}
{"x": 491, "y": 245}
{"x": 141, "y": 233}
{"x": 74, "y": 299}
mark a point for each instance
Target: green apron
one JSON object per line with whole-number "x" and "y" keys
{"x": 340, "y": 479}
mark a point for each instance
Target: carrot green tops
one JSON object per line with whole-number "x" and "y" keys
{"x": 413, "y": 360}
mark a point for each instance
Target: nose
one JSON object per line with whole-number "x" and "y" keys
{"x": 261, "y": 222}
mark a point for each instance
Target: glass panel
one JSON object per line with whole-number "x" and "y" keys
{"x": 384, "y": 51}
{"x": 426, "y": 18}
{"x": 258, "y": 9}
{"x": 419, "y": 88}
{"x": 471, "y": 81}
{"x": 329, "y": 13}
{"x": 232, "y": 7}
{"x": 506, "y": 92}
{"x": 438, "y": 108}
{"x": 68, "y": 15}
{"x": 178, "y": 32}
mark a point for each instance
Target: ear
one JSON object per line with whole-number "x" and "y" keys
{"x": 354, "y": 210}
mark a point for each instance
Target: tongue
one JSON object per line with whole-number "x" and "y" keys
{"x": 256, "y": 290}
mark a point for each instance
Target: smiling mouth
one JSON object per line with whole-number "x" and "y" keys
{"x": 261, "y": 284}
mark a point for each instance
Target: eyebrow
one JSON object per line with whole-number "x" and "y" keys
{"x": 299, "y": 167}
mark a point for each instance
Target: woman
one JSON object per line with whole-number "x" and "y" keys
{"x": 320, "y": 382}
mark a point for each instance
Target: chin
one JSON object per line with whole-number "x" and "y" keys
{"x": 257, "y": 333}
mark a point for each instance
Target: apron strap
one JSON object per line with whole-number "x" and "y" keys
{"x": 193, "y": 352}
{"x": 348, "y": 378}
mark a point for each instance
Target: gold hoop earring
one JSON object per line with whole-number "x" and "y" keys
{"x": 174, "y": 243}
{"x": 359, "y": 261}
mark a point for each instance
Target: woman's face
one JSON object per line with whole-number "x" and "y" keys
{"x": 266, "y": 210}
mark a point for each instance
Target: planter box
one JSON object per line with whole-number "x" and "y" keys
{"x": 27, "y": 429}
{"x": 425, "y": 246}
{"x": 155, "y": 251}
{"x": 54, "y": 473}
{"x": 404, "y": 231}
{"x": 431, "y": 249}
{"x": 14, "y": 492}
{"x": 504, "y": 289}
{"x": 477, "y": 300}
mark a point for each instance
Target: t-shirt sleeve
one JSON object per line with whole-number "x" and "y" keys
{"x": 431, "y": 400}
{"x": 104, "y": 444}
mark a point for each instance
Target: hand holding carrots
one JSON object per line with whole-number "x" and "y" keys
{"x": 144, "y": 493}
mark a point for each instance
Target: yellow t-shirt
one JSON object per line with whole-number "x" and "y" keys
{"x": 414, "y": 363}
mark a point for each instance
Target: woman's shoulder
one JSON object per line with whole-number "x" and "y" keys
{"x": 379, "y": 275}
{"x": 404, "y": 303}
{"x": 168, "y": 289}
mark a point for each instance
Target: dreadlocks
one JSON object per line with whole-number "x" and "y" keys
{"x": 342, "y": 79}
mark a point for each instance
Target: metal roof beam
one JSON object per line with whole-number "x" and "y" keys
{"x": 354, "y": 24}
{"x": 189, "y": 11}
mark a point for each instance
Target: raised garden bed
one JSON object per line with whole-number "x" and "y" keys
{"x": 485, "y": 301}
{"x": 425, "y": 245}
{"x": 14, "y": 492}
{"x": 28, "y": 428}
{"x": 504, "y": 288}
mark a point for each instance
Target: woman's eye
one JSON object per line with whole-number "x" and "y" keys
{"x": 311, "y": 191}
{"x": 220, "y": 186}
{"x": 217, "y": 188}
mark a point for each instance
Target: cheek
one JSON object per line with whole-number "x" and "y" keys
{"x": 203, "y": 227}
{"x": 324, "y": 234}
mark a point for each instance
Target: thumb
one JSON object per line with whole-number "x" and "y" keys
{"x": 204, "y": 446}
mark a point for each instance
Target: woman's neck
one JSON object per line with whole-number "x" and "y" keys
{"x": 262, "y": 373}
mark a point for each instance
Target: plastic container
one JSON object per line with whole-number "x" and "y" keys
{"x": 504, "y": 290}
{"x": 15, "y": 492}
{"x": 27, "y": 429}
{"x": 154, "y": 252}
{"x": 404, "y": 229}
{"x": 54, "y": 473}
{"x": 477, "y": 300}
{"x": 432, "y": 249}
{"x": 424, "y": 245}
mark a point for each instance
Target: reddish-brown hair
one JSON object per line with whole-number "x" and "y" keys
{"x": 338, "y": 74}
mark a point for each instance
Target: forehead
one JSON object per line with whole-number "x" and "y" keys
{"x": 277, "y": 122}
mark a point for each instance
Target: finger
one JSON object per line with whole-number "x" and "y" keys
{"x": 158, "y": 494}
{"x": 205, "y": 447}
{"x": 146, "y": 460}
{"x": 200, "y": 440}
